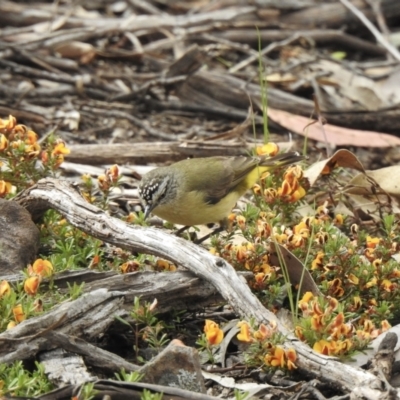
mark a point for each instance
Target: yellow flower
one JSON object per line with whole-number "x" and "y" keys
{"x": 11, "y": 325}
{"x": 333, "y": 305}
{"x": 353, "y": 279}
{"x": 335, "y": 287}
{"x": 285, "y": 189}
{"x": 245, "y": 334}
{"x": 213, "y": 333}
{"x": 299, "y": 332}
{"x": 164, "y": 265}
{"x": 18, "y": 313}
{"x": 372, "y": 282}
{"x": 324, "y": 347}
{"x": 241, "y": 221}
{"x": 94, "y": 262}
{"x": 297, "y": 195}
{"x": 270, "y": 194}
{"x": 270, "y": 149}
{"x": 60, "y": 149}
{"x": 5, "y": 288}
{"x": 301, "y": 227}
{"x": 113, "y": 173}
{"x": 291, "y": 358}
{"x": 385, "y": 325}
{"x": 388, "y": 285}
{"x": 368, "y": 326}
{"x": 7, "y": 124}
{"x": 244, "y": 251}
{"x": 103, "y": 182}
{"x": 377, "y": 262}
{"x": 317, "y": 322}
{"x": 32, "y": 150}
{"x": 44, "y": 268}
{"x": 338, "y": 219}
{"x": 262, "y": 333}
{"x": 372, "y": 242}
{"x": 31, "y": 137}
{"x": 277, "y": 359}
{"x": 3, "y": 142}
{"x": 307, "y": 297}
{"x": 5, "y": 188}
{"x": 129, "y": 266}
{"x": 356, "y": 303}
{"x": 31, "y": 285}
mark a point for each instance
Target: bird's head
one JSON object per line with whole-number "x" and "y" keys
{"x": 155, "y": 189}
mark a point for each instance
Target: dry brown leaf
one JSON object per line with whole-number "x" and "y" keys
{"x": 296, "y": 270}
{"x": 74, "y": 49}
{"x": 336, "y": 135}
{"x": 375, "y": 191}
{"x": 342, "y": 158}
{"x": 363, "y": 92}
{"x": 371, "y": 207}
{"x": 387, "y": 179}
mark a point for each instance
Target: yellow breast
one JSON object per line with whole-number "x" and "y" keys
{"x": 193, "y": 211}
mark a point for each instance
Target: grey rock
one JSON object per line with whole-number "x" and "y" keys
{"x": 176, "y": 366}
{"x": 19, "y": 237}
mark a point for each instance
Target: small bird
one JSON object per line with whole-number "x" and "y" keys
{"x": 201, "y": 191}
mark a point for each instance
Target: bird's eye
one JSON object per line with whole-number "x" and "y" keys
{"x": 153, "y": 191}
{"x": 162, "y": 194}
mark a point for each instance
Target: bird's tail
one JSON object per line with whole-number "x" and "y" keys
{"x": 281, "y": 160}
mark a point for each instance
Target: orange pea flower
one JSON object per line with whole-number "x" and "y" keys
{"x": 213, "y": 332}
{"x": 277, "y": 359}
{"x": 5, "y": 288}
{"x": 245, "y": 334}
{"x": 31, "y": 285}
{"x": 18, "y": 313}
{"x": 291, "y": 358}
{"x": 270, "y": 148}
{"x": 44, "y": 268}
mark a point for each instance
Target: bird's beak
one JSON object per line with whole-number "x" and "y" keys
{"x": 147, "y": 210}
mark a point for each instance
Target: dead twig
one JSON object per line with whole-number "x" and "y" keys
{"x": 378, "y": 36}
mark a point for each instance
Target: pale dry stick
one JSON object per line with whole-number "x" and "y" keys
{"x": 378, "y": 36}
{"x": 84, "y": 29}
{"x": 146, "y": 6}
{"x": 62, "y": 196}
{"x": 376, "y": 6}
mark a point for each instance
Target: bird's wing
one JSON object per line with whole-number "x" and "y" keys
{"x": 230, "y": 171}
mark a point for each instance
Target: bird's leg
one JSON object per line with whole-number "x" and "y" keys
{"x": 213, "y": 232}
{"x": 223, "y": 226}
{"x": 181, "y": 230}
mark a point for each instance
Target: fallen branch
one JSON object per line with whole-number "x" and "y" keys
{"x": 61, "y": 196}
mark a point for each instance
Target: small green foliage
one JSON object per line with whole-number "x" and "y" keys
{"x": 207, "y": 350}
{"x": 17, "y": 381}
{"x": 339, "y": 55}
{"x": 139, "y": 220}
{"x": 240, "y": 395}
{"x": 87, "y": 391}
{"x": 147, "y": 326}
{"x": 70, "y": 248}
{"x": 124, "y": 376}
{"x": 75, "y": 290}
{"x": 389, "y": 225}
{"x": 147, "y": 395}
